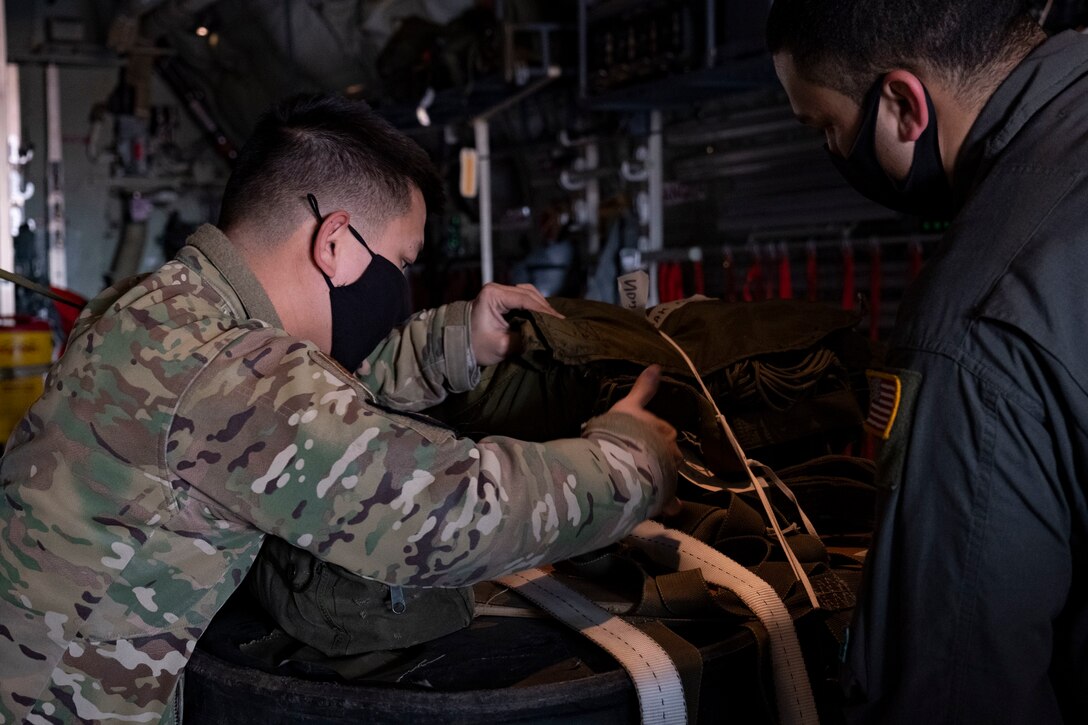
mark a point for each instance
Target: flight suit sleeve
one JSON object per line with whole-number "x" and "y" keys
{"x": 419, "y": 362}
{"x": 971, "y": 561}
{"x": 277, "y": 435}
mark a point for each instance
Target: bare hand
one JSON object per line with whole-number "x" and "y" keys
{"x": 634, "y": 404}
{"x": 491, "y": 337}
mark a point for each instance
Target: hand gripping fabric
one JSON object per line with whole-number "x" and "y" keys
{"x": 657, "y": 681}
{"x": 677, "y": 550}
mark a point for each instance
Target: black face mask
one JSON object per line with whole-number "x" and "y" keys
{"x": 925, "y": 192}
{"x": 365, "y": 311}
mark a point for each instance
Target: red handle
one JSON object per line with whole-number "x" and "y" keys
{"x": 812, "y": 274}
{"x": 875, "y": 282}
{"x": 785, "y": 276}
{"x": 848, "y": 284}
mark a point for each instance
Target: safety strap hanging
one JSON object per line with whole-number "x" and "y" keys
{"x": 729, "y": 276}
{"x": 848, "y": 282}
{"x": 755, "y": 287}
{"x": 915, "y": 251}
{"x": 698, "y": 279}
{"x": 670, "y": 282}
{"x": 876, "y": 280}
{"x": 812, "y": 273}
{"x": 785, "y": 275}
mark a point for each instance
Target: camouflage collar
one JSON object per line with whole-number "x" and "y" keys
{"x": 237, "y": 275}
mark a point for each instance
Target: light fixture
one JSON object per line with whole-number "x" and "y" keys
{"x": 422, "y": 115}
{"x": 202, "y": 31}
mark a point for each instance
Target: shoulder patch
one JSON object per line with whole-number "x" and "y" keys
{"x": 885, "y": 396}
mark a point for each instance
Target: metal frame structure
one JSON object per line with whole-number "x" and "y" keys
{"x": 56, "y": 225}
{"x": 481, "y": 126}
{"x": 9, "y": 95}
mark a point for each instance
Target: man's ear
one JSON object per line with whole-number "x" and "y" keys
{"x": 905, "y": 95}
{"x": 330, "y": 242}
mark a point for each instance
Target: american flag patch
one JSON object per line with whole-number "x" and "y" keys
{"x": 885, "y": 392}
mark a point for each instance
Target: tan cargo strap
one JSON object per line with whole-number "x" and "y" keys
{"x": 679, "y": 551}
{"x": 657, "y": 681}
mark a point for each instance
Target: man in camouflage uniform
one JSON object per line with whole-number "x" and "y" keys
{"x": 197, "y": 410}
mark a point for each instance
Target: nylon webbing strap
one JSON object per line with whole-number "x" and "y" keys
{"x": 677, "y": 550}
{"x": 781, "y": 486}
{"x": 657, "y": 681}
{"x": 757, "y": 483}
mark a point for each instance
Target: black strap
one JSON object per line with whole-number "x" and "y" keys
{"x": 38, "y": 288}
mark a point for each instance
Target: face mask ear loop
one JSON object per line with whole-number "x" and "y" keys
{"x": 362, "y": 241}
{"x": 317, "y": 213}
{"x": 871, "y": 107}
{"x": 313, "y": 205}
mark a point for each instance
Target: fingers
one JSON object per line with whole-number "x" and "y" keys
{"x": 504, "y": 298}
{"x": 670, "y": 438}
{"x": 540, "y": 303}
{"x": 645, "y": 387}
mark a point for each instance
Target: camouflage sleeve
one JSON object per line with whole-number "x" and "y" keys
{"x": 276, "y": 434}
{"x": 418, "y": 363}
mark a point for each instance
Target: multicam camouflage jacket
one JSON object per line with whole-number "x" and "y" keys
{"x": 182, "y": 424}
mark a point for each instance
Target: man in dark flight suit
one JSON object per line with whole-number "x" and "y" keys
{"x": 971, "y": 611}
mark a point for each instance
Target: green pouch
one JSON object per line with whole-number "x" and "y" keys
{"x": 340, "y": 613}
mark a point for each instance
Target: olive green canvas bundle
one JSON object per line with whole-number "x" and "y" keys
{"x": 789, "y": 376}
{"x": 785, "y": 373}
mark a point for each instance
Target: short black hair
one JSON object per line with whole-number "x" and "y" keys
{"x": 849, "y": 44}
{"x": 338, "y": 149}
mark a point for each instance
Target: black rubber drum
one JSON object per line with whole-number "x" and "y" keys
{"x": 498, "y": 670}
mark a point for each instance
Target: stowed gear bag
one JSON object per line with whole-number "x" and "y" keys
{"x": 788, "y": 375}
